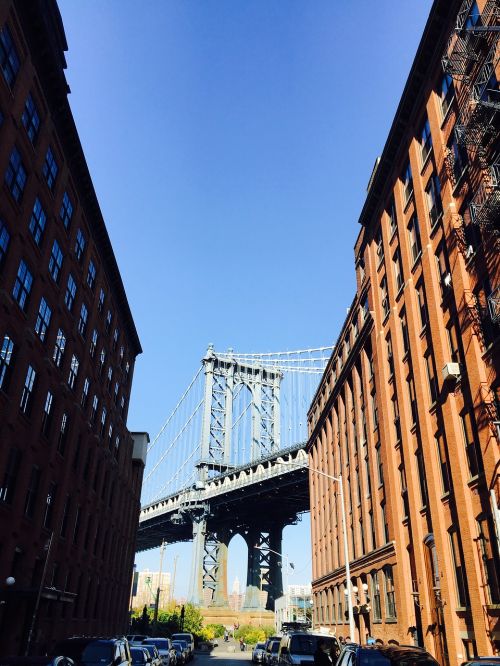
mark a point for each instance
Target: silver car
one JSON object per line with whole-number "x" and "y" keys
{"x": 258, "y": 653}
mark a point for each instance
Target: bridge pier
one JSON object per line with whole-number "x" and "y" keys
{"x": 219, "y": 575}
{"x": 264, "y": 567}
{"x": 196, "y": 579}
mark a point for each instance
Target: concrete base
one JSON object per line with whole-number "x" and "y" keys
{"x": 228, "y": 617}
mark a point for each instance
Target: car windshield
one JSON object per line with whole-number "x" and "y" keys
{"x": 275, "y": 647}
{"x": 150, "y": 648}
{"x": 260, "y": 646}
{"x": 161, "y": 643}
{"x": 97, "y": 653}
{"x": 304, "y": 644}
{"x": 138, "y": 656}
{"x": 375, "y": 658}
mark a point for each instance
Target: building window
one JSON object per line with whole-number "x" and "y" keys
{"x": 384, "y": 296}
{"x": 412, "y": 399}
{"x": 69, "y": 297}
{"x": 59, "y": 348}
{"x": 109, "y": 378}
{"x": 85, "y": 392}
{"x": 122, "y": 406}
{"x": 377, "y": 609}
{"x": 28, "y": 388}
{"x": 407, "y": 180}
{"x": 55, "y": 262}
{"x": 373, "y": 535}
{"x": 50, "y": 169}
{"x": 379, "y": 244}
{"x": 15, "y": 176}
{"x": 398, "y": 269}
{"x": 488, "y": 546}
{"x": 404, "y": 492}
{"x": 390, "y": 357}
{"x": 22, "y": 285}
{"x": 82, "y": 322}
{"x": 91, "y": 275}
{"x": 117, "y": 445}
{"x": 102, "y": 360}
{"x": 63, "y": 434}
{"x": 395, "y": 413}
{"x": 73, "y": 371}
{"x": 102, "y": 297}
{"x": 460, "y": 158}
{"x": 431, "y": 377}
{"x": 66, "y": 212}
{"x": 109, "y": 318}
{"x": 447, "y": 93}
{"x": 31, "y": 119}
{"x": 422, "y": 304}
{"x": 6, "y": 361}
{"x": 9, "y": 483}
{"x": 49, "y": 506}
{"x": 385, "y": 526}
{"x": 380, "y": 466}
{"x": 471, "y": 446}
{"x": 404, "y": 332}
{"x": 434, "y": 203}
{"x": 103, "y": 421}
{"x": 115, "y": 395}
{"x": 393, "y": 219}
{"x": 4, "y": 242}
{"x": 453, "y": 342}
{"x": 32, "y": 492}
{"x": 390, "y": 602}
{"x": 414, "y": 236}
{"x": 47, "y": 414}
{"x": 116, "y": 334}
{"x": 79, "y": 245}
{"x": 421, "y": 476}
{"x": 93, "y": 411}
{"x": 37, "y": 222}
{"x": 9, "y": 59}
{"x": 457, "y": 560}
{"x": 110, "y": 435}
{"x": 43, "y": 319}
{"x": 443, "y": 268}
{"x": 64, "y": 520}
{"x": 364, "y": 308}
{"x": 443, "y": 462}
{"x": 93, "y": 342}
{"x": 425, "y": 140}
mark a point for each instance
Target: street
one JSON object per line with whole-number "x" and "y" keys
{"x": 225, "y": 655}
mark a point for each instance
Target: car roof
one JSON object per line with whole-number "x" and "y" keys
{"x": 394, "y": 652}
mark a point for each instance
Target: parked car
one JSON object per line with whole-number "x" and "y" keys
{"x": 258, "y": 653}
{"x": 36, "y": 661}
{"x": 298, "y": 648}
{"x": 183, "y": 649}
{"x": 140, "y": 656}
{"x": 95, "y": 651}
{"x": 271, "y": 652}
{"x": 164, "y": 647}
{"x": 136, "y": 638}
{"x": 482, "y": 661}
{"x": 384, "y": 655}
{"x": 189, "y": 638}
{"x": 155, "y": 655}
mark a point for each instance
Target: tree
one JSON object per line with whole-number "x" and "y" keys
{"x": 145, "y": 621}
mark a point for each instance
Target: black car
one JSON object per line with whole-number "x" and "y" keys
{"x": 384, "y": 655}
{"x": 95, "y": 651}
{"x": 482, "y": 661}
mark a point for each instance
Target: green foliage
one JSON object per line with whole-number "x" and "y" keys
{"x": 206, "y": 634}
{"x": 218, "y": 629}
{"x": 252, "y": 635}
{"x": 193, "y": 619}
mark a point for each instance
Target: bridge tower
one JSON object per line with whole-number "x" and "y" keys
{"x": 224, "y": 376}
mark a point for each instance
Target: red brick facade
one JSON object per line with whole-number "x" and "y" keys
{"x": 407, "y": 410}
{"x": 67, "y": 351}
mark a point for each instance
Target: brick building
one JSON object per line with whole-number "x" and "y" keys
{"x": 70, "y": 471}
{"x": 407, "y": 409}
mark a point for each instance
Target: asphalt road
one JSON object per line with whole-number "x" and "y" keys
{"x": 226, "y": 654}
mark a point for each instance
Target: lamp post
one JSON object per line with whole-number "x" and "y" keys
{"x": 338, "y": 480}
{"x": 287, "y": 564}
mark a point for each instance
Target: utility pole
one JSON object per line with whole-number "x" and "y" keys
{"x": 173, "y": 578}
{"x": 157, "y": 600}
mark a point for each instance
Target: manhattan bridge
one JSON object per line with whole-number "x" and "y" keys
{"x": 230, "y": 459}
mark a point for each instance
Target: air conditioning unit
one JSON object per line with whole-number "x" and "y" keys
{"x": 451, "y": 372}
{"x": 447, "y": 280}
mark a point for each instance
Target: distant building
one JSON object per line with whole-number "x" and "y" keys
{"x": 70, "y": 471}
{"x": 236, "y": 598}
{"x": 296, "y": 606}
{"x": 147, "y": 588}
{"x": 407, "y": 411}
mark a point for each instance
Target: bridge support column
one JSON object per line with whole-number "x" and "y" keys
{"x": 276, "y": 565}
{"x": 254, "y": 583}
{"x": 196, "y": 580}
{"x": 220, "y": 598}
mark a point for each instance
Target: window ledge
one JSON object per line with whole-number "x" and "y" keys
{"x": 423, "y": 510}
{"x": 460, "y": 180}
{"x": 474, "y": 480}
{"x": 393, "y": 235}
{"x": 435, "y": 226}
{"x": 408, "y": 201}
{"x": 447, "y": 113}
{"x": 391, "y": 620}
{"x": 416, "y": 262}
{"x": 427, "y": 159}
{"x": 400, "y": 291}
{"x": 433, "y": 407}
{"x": 491, "y": 606}
{"x": 423, "y": 331}
{"x": 386, "y": 317}
{"x": 445, "y": 497}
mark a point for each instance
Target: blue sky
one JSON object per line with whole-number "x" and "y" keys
{"x": 230, "y": 143}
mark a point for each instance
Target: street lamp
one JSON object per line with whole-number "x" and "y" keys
{"x": 338, "y": 480}
{"x": 287, "y": 564}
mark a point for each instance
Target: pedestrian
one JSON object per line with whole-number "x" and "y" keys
{"x": 322, "y": 655}
{"x": 242, "y": 644}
